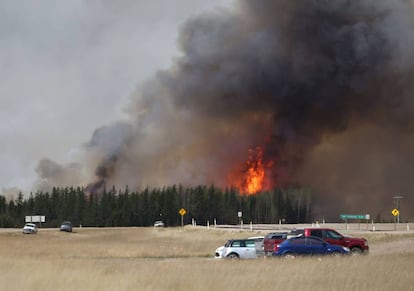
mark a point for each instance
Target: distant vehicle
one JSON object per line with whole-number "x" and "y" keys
{"x": 301, "y": 246}
{"x": 30, "y": 228}
{"x": 159, "y": 223}
{"x": 237, "y": 249}
{"x": 66, "y": 226}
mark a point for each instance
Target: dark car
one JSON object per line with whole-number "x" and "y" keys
{"x": 301, "y": 246}
{"x": 66, "y": 226}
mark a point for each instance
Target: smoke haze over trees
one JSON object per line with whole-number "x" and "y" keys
{"x": 325, "y": 87}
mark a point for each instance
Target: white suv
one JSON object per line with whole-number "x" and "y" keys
{"x": 237, "y": 249}
{"x": 29, "y": 228}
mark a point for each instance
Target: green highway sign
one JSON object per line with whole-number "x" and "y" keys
{"x": 354, "y": 216}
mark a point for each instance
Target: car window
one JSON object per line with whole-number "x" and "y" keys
{"x": 333, "y": 234}
{"x": 297, "y": 232}
{"x": 314, "y": 241}
{"x": 250, "y": 243}
{"x": 316, "y": 232}
{"x": 297, "y": 241}
{"x": 277, "y": 236}
{"x": 236, "y": 244}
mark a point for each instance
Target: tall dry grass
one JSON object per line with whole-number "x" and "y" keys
{"x": 182, "y": 259}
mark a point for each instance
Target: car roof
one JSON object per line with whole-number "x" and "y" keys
{"x": 241, "y": 239}
{"x": 256, "y": 237}
{"x": 312, "y": 227}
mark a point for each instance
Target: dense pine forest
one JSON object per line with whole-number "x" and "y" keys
{"x": 120, "y": 207}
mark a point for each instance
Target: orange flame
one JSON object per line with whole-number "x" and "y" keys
{"x": 255, "y": 174}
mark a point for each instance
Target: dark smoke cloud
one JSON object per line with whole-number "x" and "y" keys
{"x": 324, "y": 86}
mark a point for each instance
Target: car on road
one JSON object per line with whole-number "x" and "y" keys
{"x": 305, "y": 245}
{"x": 237, "y": 249}
{"x": 30, "y": 228}
{"x": 66, "y": 226}
{"x": 159, "y": 223}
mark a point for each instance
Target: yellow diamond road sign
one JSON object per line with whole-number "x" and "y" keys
{"x": 395, "y": 212}
{"x": 182, "y": 212}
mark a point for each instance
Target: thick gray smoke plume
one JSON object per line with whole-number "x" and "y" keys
{"x": 325, "y": 87}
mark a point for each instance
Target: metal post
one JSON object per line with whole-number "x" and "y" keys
{"x": 397, "y": 206}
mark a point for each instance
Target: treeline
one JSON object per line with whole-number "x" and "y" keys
{"x": 120, "y": 207}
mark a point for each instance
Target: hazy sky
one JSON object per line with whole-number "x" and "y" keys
{"x": 69, "y": 67}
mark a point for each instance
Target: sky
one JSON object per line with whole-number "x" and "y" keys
{"x": 69, "y": 67}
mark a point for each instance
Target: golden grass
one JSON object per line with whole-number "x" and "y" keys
{"x": 182, "y": 259}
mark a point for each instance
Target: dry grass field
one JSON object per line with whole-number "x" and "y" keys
{"x": 182, "y": 259}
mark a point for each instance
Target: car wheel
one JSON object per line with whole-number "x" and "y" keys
{"x": 336, "y": 254}
{"x": 356, "y": 251}
{"x": 289, "y": 255}
{"x": 233, "y": 256}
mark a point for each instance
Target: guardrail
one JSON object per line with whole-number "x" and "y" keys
{"x": 343, "y": 227}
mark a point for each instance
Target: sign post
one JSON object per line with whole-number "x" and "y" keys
{"x": 35, "y": 218}
{"x": 396, "y": 213}
{"x": 182, "y": 212}
{"x": 397, "y": 207}
{"x": 239, "y": 215}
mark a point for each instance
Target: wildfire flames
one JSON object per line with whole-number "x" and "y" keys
{"x": 255, "y": 174}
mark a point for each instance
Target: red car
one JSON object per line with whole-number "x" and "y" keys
{"x": 271, "y": 241}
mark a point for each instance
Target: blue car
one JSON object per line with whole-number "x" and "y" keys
{"x": 301, "y": 246}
